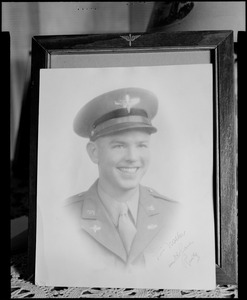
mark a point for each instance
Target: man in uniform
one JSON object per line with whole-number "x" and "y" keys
{"x": 118, "y": 219}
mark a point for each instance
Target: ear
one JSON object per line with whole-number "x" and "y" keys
{"x": 92, "y": 151}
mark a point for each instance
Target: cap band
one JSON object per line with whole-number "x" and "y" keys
{"x": 118, "y": 113}
{"x": 127, "y": 119}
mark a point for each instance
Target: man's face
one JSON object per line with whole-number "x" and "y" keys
{"x": 122, "y": 159}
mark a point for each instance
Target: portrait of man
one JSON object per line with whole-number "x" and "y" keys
{"x": 121, "y": 217}
{"x": 124, "y": 177}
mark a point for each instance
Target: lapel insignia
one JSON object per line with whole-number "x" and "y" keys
{"x": 95, "y": 228}
{"x": 150, "y": 208}
{"x": 152, "y": 226}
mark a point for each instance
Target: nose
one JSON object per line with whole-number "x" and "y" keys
{"x": 132, "y": 154}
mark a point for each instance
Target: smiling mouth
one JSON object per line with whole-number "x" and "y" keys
{"x": 129, "y": 170}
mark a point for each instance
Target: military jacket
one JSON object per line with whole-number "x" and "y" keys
{"x": 97, "y": 233}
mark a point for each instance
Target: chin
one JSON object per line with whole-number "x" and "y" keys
{"x": 129, "y": 185}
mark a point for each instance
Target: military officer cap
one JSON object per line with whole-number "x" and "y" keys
{"x": 116, "y": 111}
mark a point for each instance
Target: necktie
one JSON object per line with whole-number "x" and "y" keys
{"x": 126, "y": 227}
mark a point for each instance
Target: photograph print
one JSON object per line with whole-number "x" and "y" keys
{"x": 124, "y": 183}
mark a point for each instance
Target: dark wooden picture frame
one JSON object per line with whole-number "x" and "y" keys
{"x": 218, "y": 49}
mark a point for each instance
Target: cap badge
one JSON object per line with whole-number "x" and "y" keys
{"x": 127, "y": 102}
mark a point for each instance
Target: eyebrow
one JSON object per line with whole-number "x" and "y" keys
{"x": 117, "y": 142}
{"x": 124, "y": 142}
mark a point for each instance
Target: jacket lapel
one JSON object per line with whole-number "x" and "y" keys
{"x": 96, "y": 222}
{"x": 149, "y": 223}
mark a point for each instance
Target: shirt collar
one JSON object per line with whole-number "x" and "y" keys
{"x": 113, "y": 207}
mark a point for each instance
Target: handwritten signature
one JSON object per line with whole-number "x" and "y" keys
{"x": 171, "y": 243}
{"x": 189, "y": 260}
{"x": 180, "y": 253}
{"x": 177, "y": 242}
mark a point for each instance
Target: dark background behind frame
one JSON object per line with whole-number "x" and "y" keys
{"x": 221, "y": 45}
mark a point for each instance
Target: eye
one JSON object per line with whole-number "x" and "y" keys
{"x": 118, "y": 146}
{"x": 143, "y": 145}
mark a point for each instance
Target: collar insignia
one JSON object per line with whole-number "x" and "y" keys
{"x": 91, "y": 212}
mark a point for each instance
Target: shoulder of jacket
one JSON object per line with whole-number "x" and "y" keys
{"x": 75, "y": 199}
{"x": 155, "y": 194}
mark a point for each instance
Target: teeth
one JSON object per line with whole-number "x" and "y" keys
{"x": 128, "y": 170}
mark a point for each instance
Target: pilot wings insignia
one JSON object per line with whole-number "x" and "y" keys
{"x": 130, "y": 38}
{"x": 128, "y": 102}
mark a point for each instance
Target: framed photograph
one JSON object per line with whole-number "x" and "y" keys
{"x": 133, "y": 161}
